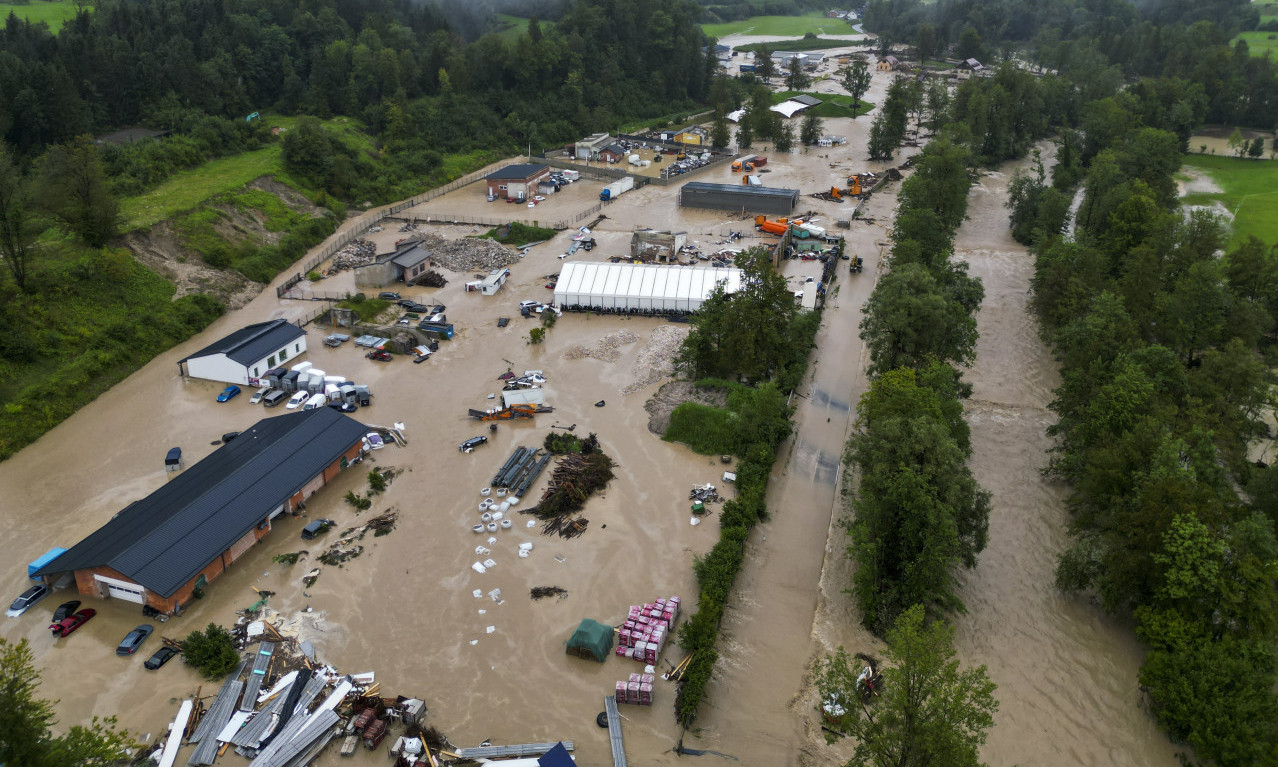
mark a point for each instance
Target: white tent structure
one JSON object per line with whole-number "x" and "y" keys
{"x": 789, "y": 108}
{"x": 640, "y": 287}
{"x": 735, "y": 116}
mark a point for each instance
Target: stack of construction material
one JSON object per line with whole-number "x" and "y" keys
{"x": 643, "y": 636}
{"x": 637, "y": 691}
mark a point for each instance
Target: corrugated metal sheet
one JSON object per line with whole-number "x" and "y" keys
{"x": 499, "y": 752}
{"x": 217, "y": 717}
{"x": 648, "y": 287}
{"x": 614, "y": 731}
{"x": 261, "y": 662}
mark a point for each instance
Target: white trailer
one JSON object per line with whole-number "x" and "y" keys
{"x": 617, "y": 188}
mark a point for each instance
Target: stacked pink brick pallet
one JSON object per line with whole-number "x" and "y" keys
{"x": 647, "y": 627}
{"x": 637, "y": 691}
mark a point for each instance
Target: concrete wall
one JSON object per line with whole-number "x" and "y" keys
{"x": 375, "y": 275}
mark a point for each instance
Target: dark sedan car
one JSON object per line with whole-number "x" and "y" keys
{"x": 134, "y": 639}
{"x": 161, "y": 656}
{"x": 68, "y": 625}
{"x": 64, "y": 611}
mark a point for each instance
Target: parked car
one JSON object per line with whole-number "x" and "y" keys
{"x": 380, "y": 356}
{"x": 472, "y": 443}
{"x": 64, "y": 627}
{"x": 230, "y": 435}
{"x": 413, "y": 306}
{"x": 275, "y": 398}
{"x": 317, "y": 527}
{"x": 134, "y": 639}
{"x": 26, "y": 599}
{"x": 161, "y": 656}
{"x": 64, "y": 611}
{"x": 228, "y": 393}
{"x": 374, "y": 441}
{"x": 297, "y": 399}
{"x": 387, "y": 295}
{"x": 438, "y": 309}
{"x": 343, "y": 407}
{"x": 259, "y": 395}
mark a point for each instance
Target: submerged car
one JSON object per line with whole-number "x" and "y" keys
{"x": 67, "y": 625}
{"x": 374, "y": 441}
{"x": 134, "y": 639}
{"x": 472, "y": 443}
{"x": 297, "y": 399}
{"x": 161, "y": 656}
{"x": 259, "y": 395}
{"x": 64, "y": 611}
{"x": 26, "y": 599}
{"x": 228, "y": 393}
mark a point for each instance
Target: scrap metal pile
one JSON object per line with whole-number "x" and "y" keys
{"x": 469, "y": 254}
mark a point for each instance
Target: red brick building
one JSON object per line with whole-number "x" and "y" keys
{"x": 160, "y": 550}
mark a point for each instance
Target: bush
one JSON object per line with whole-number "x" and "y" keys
{"x": 376, "y": 482}
{"x": 536, "y": 335}
{"x": 359, "y": 502}
{"x": 210, "y": 652}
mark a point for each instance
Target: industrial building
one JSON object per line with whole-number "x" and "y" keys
{"x": 408, "y": 263}
{"x": 589, "y": 147}
{"x": 517, "y": 182}
{"x": 748, "y": 199}
{"x": 245, "y": 355}
{"x": 642, "y": 288}
{"x": 163, "y": 550}
{"x": 657, "y": 247}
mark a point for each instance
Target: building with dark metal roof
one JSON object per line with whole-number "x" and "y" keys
{"x": 161, "y": 550}
{"x": 246, "y": 354}
{"x": 748, "y": 199}
{"x": 516, "y": 181}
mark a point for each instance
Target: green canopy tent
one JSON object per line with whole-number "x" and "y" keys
{"x": 592, "y": 639}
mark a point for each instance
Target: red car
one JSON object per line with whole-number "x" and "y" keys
{"x": 380, "y": 356}
{"x": 67, "y": 625}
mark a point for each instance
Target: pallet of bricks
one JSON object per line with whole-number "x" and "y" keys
{"x": 637, "y": 691}
{"x": 643, "y": 636}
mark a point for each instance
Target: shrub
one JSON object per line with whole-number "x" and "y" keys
{"x": 536, "y": 335}
{"x": 376, "y": 482}
{"x": 210, "y": 652}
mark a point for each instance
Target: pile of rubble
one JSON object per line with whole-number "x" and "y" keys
{"x": 356, "y": 253}
{"x": 607, "y": 349}
{"x": 656, "y": 358}
{"x": 471, "y": 254}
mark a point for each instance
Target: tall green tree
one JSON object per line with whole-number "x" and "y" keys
{"x": 764, "y": 66}
{"x": 72, "y": 187}
{"x": 931, "y": 712}
{"x": 25, "y": 722}
{"x": 912, "y": 318}
{"x": 795, "y": 78}
{"x": 719, "y": 134}
{"x": 785, "y": 137}
{"x": 890, "y": 123}
{"x": 18, "y": 230}
{"x": 855, "y": 79}
{"x": 810, "y": 132}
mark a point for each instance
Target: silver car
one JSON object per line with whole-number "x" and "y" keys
{"x": 26, "y": 599}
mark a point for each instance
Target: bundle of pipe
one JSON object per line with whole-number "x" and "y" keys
{"x": 517, "y": 475}
{"x": 532, "y": 476}
{"x": 505, "y": 467}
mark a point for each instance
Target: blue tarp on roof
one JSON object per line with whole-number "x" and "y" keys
{"x": 556, "y": 757}
{"x": 43, "y": 560}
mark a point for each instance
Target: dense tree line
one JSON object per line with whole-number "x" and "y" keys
{"x": 918, "y": 512}
{"x": 1166, "y": 351}
{"x": 1097, "y": 45}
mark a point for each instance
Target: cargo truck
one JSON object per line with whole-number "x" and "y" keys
{"x": 617, "y": 188}
{"x": 741, "y": 162}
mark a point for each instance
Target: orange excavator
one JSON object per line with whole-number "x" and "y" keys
{"x": 853, "y": 189}
{"x": 510, "y": 413}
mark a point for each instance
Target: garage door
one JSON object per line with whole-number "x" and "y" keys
{"x": 129, "y": 592}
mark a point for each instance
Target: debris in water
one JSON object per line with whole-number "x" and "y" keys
{"x": 541, "y": 592}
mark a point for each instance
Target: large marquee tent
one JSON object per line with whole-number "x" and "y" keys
{"x": 640, "y": 287}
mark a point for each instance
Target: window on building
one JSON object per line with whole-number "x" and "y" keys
{"x": 297, "y": 348}
{"x": 283, "y": 354}
{"x": 270, "y": 361}
{"x": 255, "y": 372}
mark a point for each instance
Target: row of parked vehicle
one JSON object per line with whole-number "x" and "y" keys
{"x": 68, "y": 617}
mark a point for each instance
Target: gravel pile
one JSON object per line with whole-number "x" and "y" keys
{"x": 607, "y": 349}
{"x": 471, "y": 254}
{"x": 656, "y": 358}
{"x": 356, "y": 253}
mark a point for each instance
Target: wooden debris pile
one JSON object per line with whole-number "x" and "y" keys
{"x": 576, "y": 477}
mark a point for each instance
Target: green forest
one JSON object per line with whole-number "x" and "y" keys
{"x": 1164, "y": 327}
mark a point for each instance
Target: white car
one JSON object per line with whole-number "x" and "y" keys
{"x": 528, "y": 304}
{"x": 374, "y": 441}
{"x": 297, "y": 399}
{"x": 26, "y": 599}
{"x": 259, "y": 394}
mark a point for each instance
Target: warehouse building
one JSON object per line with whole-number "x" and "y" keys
{"x": 640, "y": 288}
{"x": 245, "y": 355}
{"x": 516, "y": 182}
{"x": 747, "y": 199}
{"x": 164, "y": 549}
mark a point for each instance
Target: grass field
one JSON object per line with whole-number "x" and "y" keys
{"x": 1250, "y": 192}
{"x": 52, "y": 13}
{"x": 187, "y": 189}
{"x": 831, "y": 106}
{"x": 789, "y": 26}
{"x": 511, "y": 27}
{"x": 1261, "y": 42}
{"x": 802, "y": 44}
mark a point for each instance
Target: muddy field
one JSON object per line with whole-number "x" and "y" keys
{"x": 405, "y": 608}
